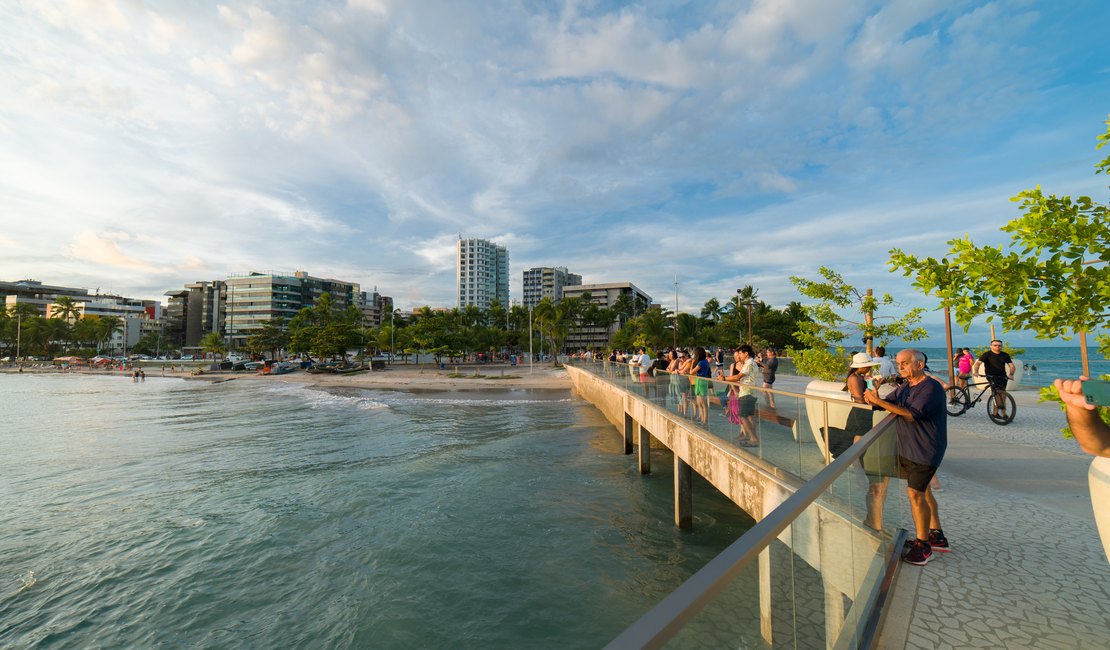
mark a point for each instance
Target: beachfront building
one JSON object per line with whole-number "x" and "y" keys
{"x": 253, "y": 299}
{"x": 136, "y": 317}
{"x": 196, "y": 310}
{"x": 547, "y": 282}
{"x": 375, "y": 308}
{"x": 623, "y": 297}
{"x": 483, "y": 273}
{"x": 38, "y": 295}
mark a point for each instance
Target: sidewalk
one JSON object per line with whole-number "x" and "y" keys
{"x": 1027, "y": 569}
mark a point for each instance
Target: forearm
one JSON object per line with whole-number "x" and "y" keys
{"x": 1092, "y": 434}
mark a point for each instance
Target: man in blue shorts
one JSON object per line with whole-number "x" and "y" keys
{"x": 922, "y": 437}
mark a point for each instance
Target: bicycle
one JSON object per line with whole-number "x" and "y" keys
{"x": 958, "y": 401}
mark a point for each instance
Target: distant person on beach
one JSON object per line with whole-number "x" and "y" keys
{"x": 1093, "y": 436}
{"x": 768, "y": 363}
{"x": 999, "y": 368}
{"x": 922, "y": 438}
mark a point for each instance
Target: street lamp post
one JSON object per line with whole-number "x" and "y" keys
{"x": 530, "y": 339}
{"x": 392, "y": 327}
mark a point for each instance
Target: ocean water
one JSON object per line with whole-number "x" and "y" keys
{"x": 1050, "y": 362}
{"x": 267, "y": 514}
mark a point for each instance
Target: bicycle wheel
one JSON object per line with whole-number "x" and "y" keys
{"x": 956, "y": 401}
{"x": 1006, "y": 414}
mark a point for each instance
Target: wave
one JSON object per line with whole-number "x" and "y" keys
{"x": 317, "y": 398}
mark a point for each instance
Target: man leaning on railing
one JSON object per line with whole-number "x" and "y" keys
{"x": 922, "y": 437}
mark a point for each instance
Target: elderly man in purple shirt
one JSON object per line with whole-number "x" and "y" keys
{"x": 922, "y": 437}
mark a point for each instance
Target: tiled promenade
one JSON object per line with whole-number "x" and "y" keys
{"x": 1027, "y": 569}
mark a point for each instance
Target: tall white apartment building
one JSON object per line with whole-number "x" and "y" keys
{"x": 547, "y": 282}
{"x": 483, "y": 273}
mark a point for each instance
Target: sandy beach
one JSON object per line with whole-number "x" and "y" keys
{"x": 468, "y": 377}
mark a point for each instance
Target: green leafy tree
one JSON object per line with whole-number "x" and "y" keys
{"x": 270, "y": 337}
{"x": 843, "y": 312}
{"x": 150, "y": 343}
{"x": 325, "y": 329}
{"x": 1052, "y": 278}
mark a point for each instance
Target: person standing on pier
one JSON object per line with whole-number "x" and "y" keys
{"x": 922, "y": 438}
{"x": 768, "y": 362}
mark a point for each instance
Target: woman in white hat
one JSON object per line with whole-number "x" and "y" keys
{"x": 859, "y": 423}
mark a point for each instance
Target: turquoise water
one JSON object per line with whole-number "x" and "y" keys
{"x": 1050, "y": 361}
{"x": 257, "y": 514}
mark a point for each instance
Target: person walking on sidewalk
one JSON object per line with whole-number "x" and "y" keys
{"x": 922, "y": 438}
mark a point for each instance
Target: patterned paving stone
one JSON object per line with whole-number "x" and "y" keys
{"x": 1023, "y": 573}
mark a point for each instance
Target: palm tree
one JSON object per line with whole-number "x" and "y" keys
{"x": 214, "y": 343}
{"x": 712, "y": 310}
{"x": 106, "y": 326}
{"x": 66, "y": 308}
{"x": 688, "y": 329}
{"x": 556, "y": 320}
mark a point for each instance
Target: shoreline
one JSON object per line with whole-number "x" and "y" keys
{"x": 397, "y": 377}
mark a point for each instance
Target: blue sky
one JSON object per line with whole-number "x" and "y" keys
{"x": 145, "y": 145}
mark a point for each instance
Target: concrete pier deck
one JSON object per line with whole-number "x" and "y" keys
{"x": 1026, "y": 569}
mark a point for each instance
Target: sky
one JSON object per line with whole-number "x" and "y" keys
{"x": 145, "y": 145}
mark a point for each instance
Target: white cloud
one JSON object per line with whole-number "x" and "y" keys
{"x": 725, "y": 143}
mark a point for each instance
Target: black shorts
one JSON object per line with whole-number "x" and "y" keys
{"x": 917, "y": 475}
{"x": 747, "y": 405}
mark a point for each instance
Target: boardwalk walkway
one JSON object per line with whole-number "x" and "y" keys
{"x": 1027, "y": 568}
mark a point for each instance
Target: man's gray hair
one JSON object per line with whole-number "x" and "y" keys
{"x": 918, "y": 355}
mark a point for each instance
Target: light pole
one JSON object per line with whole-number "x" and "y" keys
{"x": 18, "y": 338}
{"x": 392, "y": 314}
{"x": 529, "y": 339}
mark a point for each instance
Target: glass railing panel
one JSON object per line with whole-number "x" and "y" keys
{"x": 817, "y": 583}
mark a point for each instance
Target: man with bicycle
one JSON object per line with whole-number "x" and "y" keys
{"x": 999, "y": 369}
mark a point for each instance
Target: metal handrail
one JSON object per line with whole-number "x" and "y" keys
{"x": 666, "y": 619}
{"x": 773, "y": 391}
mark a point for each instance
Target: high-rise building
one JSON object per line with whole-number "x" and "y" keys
{"x": 253, "y": 299}
{"x": 547, "y": 282}
{"x": 483, "y": 273}
{"x": 196, "y": 310}
{"x": 611, "y": 295}
{"x": 375, "y": 307}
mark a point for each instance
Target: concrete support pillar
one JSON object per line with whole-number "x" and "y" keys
{"x": 765, "y": 595}
{"x": 683, "y": 497}
{"x": 628, "y": 424}
{"x": 834, "y": 614}
{"x": 643, "y": 440}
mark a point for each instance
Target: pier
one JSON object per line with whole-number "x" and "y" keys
{"x": 850, "y": 589}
